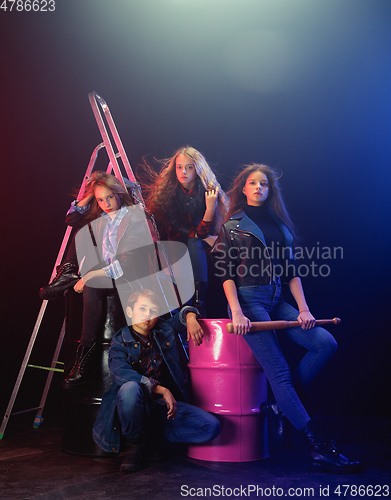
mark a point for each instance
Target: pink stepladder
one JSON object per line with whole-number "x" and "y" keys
{"x": 228, "y": 381}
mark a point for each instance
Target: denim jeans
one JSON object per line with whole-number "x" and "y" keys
{"x": 190, "y": 425}
{"x": 265, "y": 303}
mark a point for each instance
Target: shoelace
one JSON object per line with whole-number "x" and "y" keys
{"x": 334, "y": 446}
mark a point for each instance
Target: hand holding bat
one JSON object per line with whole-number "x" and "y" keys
{"x": 257, "y": 326}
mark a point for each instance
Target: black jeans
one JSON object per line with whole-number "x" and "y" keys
{"x": 94, "y": 297}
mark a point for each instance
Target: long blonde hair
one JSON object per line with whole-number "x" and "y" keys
{"x": 160, "y": 194}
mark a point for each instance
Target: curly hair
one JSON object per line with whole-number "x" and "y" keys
{"x": 274, "y": 202}
{"x": 161, "y": 192}
{"x": 108, "y": 181}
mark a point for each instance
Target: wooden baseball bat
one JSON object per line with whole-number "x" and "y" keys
{"x": 257, "y": 326}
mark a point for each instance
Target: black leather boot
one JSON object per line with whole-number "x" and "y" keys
{"x": 83, "y": 366}
{"x": 133, "y": 454}
{"x": 281, "y": 424}
{"x": 325, "y": 453}
{"x": 199, "y": 297}
{"x": 67, "y": 275}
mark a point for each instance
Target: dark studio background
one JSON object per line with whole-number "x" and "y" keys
{"x": 302, "y": 85}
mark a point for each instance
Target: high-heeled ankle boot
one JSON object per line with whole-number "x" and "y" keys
{"x": 281, "y": 424}
{"x": 325, "y": 453}
{"x": 199, "y": 297}
{"x": 83, "y": 366}
{"x": 67, "y": 275}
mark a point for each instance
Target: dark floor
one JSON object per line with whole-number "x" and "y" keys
{"x": 32, "y": 466}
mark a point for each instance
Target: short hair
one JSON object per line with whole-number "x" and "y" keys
{"x": 152, "y": 296}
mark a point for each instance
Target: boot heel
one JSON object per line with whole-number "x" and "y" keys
{"x": 280, "y": 422}
{"x": 265, "y": 410}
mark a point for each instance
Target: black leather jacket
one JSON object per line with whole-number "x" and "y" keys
{"x": 236, "y": 251}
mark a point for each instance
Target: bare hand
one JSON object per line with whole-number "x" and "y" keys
{"x": 79, "y": 286}
{"x": 171, "y": 404}
{"x": 194, "y": 331}
{"x": 241, "y": 324}
{"x": 211, "y": 198}
{"x": 85, "y": 200}
{"x": 306, "y": 320}
{"x": 83, "y": 281}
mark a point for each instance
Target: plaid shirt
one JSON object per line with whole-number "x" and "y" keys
{"x": 109, "y": 245}
{"x": 150, "y": 359}
{"x": 203, "y": 228}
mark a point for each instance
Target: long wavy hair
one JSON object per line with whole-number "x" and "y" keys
{"x": 160, "y": 193}
{"x": 108, "y": 181}
{"x": 274, "y": 202}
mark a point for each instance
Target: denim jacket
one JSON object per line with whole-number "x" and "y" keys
{"x": 234, "y": 247}
{"x": 123, "y": 355}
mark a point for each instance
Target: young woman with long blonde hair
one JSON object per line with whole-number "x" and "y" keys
{"x": 189, "y": 206}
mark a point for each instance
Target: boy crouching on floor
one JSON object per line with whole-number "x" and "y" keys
{"x": 149, "y": 397}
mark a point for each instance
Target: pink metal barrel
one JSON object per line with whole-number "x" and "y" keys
{"x": 228, "y": 381}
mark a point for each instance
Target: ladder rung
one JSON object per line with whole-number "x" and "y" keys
{"x": 26, "y": 411}
{"x": 47, "y": 368}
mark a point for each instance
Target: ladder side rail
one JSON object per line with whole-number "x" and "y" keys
{"x": 80, "y": 193}
{"x": 38, "y": 416}
{"x": 106, "y": 140}
{"x": 90, "y": 167}
{"x": 125, "y": 161}
{"x": 22, "y": 368}
{"x": 154, "y": 230}
{"x": 116, "y": 137}
{"x": 136, "y": 189}
{"x": 94, "y": 97}
{"x": 43, "y": 308}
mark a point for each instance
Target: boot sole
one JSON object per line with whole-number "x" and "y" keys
{"x": 318, "y": 467}
{"x": 58, "y": 290}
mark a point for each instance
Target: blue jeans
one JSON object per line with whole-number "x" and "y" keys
{"x": 190, "y": 425}
{"x": 265, "y": 303}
